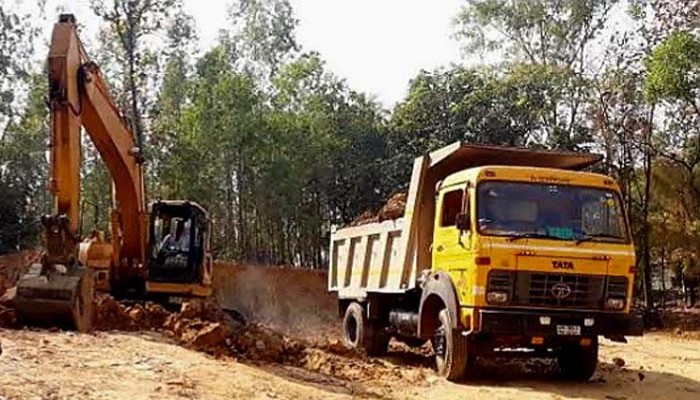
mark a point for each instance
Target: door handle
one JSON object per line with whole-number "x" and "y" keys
{"x": 440, "y": 248}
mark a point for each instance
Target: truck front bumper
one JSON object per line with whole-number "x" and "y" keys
{"x": 533, "y": 323}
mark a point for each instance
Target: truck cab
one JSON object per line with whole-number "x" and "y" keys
{"x": 516, "y": 236}
{"x": 501, "y": 251}
{"x": 540, "y": 258}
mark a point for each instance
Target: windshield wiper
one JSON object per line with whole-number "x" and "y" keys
{"x": 526, "y": 235}
{"x": 592, "y": 236}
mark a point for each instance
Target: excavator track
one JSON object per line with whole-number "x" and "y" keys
{"x": 56, "y": 297}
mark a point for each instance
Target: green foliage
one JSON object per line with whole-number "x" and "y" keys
{"x": 22, "y": 133}
{"x": 17, "y": 34}
{"x": 130, "y": 26}
{"x": 24, "y": 172}
{"x": 272, "y": 160}
{"x": 673, "y": 69}
{"x": 544, "y": 44}
{"x": 512, "y": 106}
{"x": 536, "y": 31}
{"x": 176, "y": 88}
{"x": 264, "y": 33}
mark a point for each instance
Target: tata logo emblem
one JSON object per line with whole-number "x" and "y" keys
{"x": 561, "y": 290}
{"x": 562, "y": 264}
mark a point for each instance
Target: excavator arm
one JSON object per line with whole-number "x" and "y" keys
{"x": 79, "y": 97}
{"x": 61, "y": 288}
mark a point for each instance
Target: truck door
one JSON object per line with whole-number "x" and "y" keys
{"x": 451, "y": 245}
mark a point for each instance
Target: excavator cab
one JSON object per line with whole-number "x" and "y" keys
{"x": 178, "y": 246}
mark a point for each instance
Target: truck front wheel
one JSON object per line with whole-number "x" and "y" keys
{"x": 360, "y": 332}
{"x": 577, "y": 362}
{"x": 451, "y": 356}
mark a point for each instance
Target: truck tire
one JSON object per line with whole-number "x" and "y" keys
{"x": 361, "y": 333}
{"x": 451, "y": 355}
{"x": 577, "y": 362}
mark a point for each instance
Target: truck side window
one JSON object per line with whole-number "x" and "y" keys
{"x": 451, "y": 206}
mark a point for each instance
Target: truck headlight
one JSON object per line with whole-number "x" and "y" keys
{"x": 615, "y": 304}
{"x": 497, "y": 297}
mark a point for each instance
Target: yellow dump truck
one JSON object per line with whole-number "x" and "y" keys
{"x": 500, "y": 252}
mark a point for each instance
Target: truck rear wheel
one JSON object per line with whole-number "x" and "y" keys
{"x": 451, "y": 355}
{"x": 362, "y": 333}
{"x": 577, "y": 362}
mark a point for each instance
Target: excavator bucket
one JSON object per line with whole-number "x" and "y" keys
{"x": 56, "y": 297}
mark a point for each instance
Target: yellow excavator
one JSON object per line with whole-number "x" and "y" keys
{"x": 160, "y": 252}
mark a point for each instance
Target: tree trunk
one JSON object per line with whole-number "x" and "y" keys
{"x": 646, "y": 251}
{"x": 663, "y": 278}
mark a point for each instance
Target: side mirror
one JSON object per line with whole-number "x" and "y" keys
{"x": 463, "y": 222}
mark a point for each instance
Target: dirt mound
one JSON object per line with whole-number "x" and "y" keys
{"x": 367, "y": 217}
{"x": 203, "y": 326}
{"x": 293, "y": 323}
{"x": 277, "y": 301}
{"x": 682, "y": 322}
{"x": 111, "y": 314}
{"x": 7, "y": 308}
{"x": 200, "y": 325}
{"x": 393, "y": 209}
{"x": 13, "y": 266}
{"x": 294, "y": 301}
{"x": 336, "y": 360}
{"x": 260, "y": 343}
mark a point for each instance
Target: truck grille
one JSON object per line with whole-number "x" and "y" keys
{"x": 538, "y": 289}
{"x": 617, "y": 287}
{"x": 500, "y": 281}
{"x": 576, "y": 291}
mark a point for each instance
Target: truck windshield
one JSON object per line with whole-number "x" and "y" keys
{"x": 562, "y": 212}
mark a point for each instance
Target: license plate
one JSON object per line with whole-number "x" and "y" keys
{"x": 568, "y": 330}
{"x": 175, "y": 300}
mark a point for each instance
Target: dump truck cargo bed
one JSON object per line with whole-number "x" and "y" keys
{"x": 368, "y": 258}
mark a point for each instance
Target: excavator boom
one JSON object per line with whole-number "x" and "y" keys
{"x": 60, "y": 289}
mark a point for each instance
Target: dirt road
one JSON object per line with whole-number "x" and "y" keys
{"x": 311, "y": 364}
{"x": 44, "y": 365}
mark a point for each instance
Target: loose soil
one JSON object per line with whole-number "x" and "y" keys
{"x": 147, "y": 365}
{"x": 393, "y": 209}
{"x": 283, "y": 343}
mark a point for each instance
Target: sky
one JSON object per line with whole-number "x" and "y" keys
{"x": 376, "y": 45}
